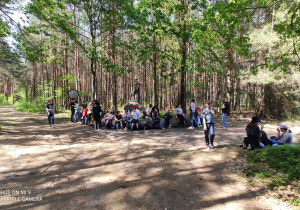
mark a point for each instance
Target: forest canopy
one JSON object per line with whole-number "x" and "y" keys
{"x": 246, "y": 50}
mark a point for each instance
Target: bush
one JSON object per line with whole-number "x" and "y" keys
{"x": 3, "y": 100}
{"x": 281, "y": 164}
{"x": 38, "y": 105}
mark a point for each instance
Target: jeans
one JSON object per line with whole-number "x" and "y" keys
{"x": 84, "y": 120}
{"x": 198, "y": 120}
{"x": 77, "y": 116}
{"x": 118, "y": 125}
{"x": 224, "y": 120}
{"x": 128, "y": 122}
{"x": 51, "y": 119}
{"x": 210, "y": 132}
{"x": 275, "y": 142}
{"x": 192, "y": 118}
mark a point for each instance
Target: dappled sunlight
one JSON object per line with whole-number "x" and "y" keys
{"x": 122, "y": 169}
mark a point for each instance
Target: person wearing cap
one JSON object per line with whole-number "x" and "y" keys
{"x": 168, "y": 117}
{"x": 193, "y": 108}
{"x": 135, "y": 118}
{"x": 253, "y": 134}
{"x": 285, "y": 138}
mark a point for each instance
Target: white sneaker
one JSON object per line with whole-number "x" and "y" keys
{"x": 99, "y": 129}
{"x": 191, "y": 127}
{"x": 249, "y": 147}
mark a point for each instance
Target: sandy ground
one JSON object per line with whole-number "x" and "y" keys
{"x": 72, "y": 166}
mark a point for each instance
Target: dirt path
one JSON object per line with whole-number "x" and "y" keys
{"x": 74, "y": 167}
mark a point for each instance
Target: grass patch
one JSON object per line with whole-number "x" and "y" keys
{"x": 166, "y": 154}
{"x": 63, "y": 119}
{"x": 16, "y": 125}
{"x": 279, "y": 166}
{"x": 36, "y": 121}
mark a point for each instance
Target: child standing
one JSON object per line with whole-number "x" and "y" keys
{"x": 209, "y": 127}
{"x": 84, "y": 116}
{"x": 50, "y": 113}
{"x": 77, "y": 112}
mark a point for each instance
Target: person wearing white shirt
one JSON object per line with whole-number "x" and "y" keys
{"x": 179, "y": 114}
{"x": 148, "y": 110}
{"x": 135, "y": 118}
{"x": 192, "y": 112}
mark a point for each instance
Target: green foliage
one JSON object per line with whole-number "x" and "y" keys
{"x": 36, "y": 121}
{"x": 3, "y": 100}
{"x": 38, "y": 105}
{"x": 279, "y": 165}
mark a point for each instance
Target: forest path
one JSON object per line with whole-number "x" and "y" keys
{"x": 72, "y": 166}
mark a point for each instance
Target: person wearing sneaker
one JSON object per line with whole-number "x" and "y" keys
{"x": 253, "y": 134}
{"x": 198, "y": 119}
{"x": 50, "y": 113}
{"x": 224, "y": 109}
{"x": 192, "y": 112}
{"x": 135, "y": 118}
{"x": 209, "y": 127}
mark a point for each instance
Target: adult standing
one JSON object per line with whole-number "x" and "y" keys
{"x": 209, "y": 125}
{"x": 72, "y": 106}
{"x": 192, "y": 112}
{"x": 77, "y": 116}
{"x": 224, "y": 109}
{"x": 50, "y": 113}
{"x": 137, "y": 89}
{"x": 96, "y": 115}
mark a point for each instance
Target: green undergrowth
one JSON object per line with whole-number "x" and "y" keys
{"x": 278, "y": 166}
{"x": 36, "y": 121}
{"x": 63, "y": 119}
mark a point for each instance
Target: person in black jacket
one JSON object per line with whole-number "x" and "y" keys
{"x": 253, "y": 134}
{"x": 96, "y": 114}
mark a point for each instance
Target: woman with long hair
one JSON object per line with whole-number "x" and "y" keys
{"x": 253, "y": 134}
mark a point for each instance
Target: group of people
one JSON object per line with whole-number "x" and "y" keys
{"x": 93, "y": 114}
{"x": 257, "y": 138}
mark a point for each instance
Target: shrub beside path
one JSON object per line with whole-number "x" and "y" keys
{"x": 72, "y": 166}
